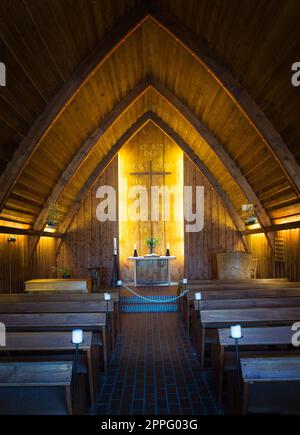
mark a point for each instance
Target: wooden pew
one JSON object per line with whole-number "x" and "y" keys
{"x": 88, "y": 299}
{"x": 264, "y": 380}
{"x": 43, "y": 374}
{"x": 236, "y": 293}
{"x": 50, "y": 344}
{"x": 216, "y": 285}
{"x": 43, "y": 305}
{"x": 215, "y": 319}
{"x": 94, "y": 322}
{"x": 227, "y": 304}
{"x": 253, "y": 338}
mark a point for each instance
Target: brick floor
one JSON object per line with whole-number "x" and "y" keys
{"x": 154, "y": 370}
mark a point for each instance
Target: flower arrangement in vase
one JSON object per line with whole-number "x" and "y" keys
{"x": 152, "y": 242}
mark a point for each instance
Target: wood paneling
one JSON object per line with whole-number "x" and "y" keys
{"x": 151, "y": 50}
{"x": 15, "y": 267}
{"x": 218, "y": 234}
{"x": 151, "y": 144}
{"x": 89, "y": 243}
{"x": 267, "y": 267}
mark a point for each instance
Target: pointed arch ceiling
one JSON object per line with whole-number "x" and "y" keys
{"x": 148, "y": 62}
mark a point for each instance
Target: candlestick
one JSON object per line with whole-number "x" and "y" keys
{"x": 77, "y": 336}
{"x": 236, "y": 331}
{"x": 184, "y": 281}
{"x": 198, "y": 296}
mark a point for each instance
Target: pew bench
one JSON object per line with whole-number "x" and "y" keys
{"x": 271, "y": 385}
{"x": 47, "y": 375}
{"x": 236, "y": 292}
{"x": 52, "y": 346}
{"x": 216, "y": 319}
{"x": 88, "y": 300}
{"x": 50, "y": 322}
{"x": 228, "y": 304}
{"x": 43, "y": 305}
{"x": 254, "y": 340}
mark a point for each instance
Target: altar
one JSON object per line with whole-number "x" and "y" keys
{"x": 152, "y": 270}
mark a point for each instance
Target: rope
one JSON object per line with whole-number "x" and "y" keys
{"x": 155, "y": 301}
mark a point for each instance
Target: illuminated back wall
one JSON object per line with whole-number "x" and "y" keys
{"x": 150, "y": 144}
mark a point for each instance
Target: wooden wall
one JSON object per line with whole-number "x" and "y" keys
{"x": 150, "y": 144}
{"x": 218, "y": 234}
{"x": 15, "y": 267}
{"x": 89, "y": 243}
{"x": 267, "y": 266}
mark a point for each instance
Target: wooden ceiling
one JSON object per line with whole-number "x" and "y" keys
{"x": 83, "y": 76}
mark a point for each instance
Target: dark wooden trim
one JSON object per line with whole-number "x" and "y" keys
{"x": 218, "y": 149}
{"x": 100, "y": 168}
{"x": 23, "y": 232}
{"x": 273, "y": 228}
{"x": 82, "y": 154}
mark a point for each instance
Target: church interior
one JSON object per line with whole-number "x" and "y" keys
{"x": 149, "y": 207}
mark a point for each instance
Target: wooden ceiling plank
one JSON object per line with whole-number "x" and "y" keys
{"x": 247, "y": 105}
{"x": 85, "y": 150}
{"x": 218, "y": 149}
{"x": 140, "y": 123}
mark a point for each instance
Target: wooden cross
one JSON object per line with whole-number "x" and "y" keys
{"x": 150, "y": 173}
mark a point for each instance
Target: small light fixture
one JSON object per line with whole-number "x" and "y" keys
{"x": 11, "y": 239}
{"x": 198, "y": 296}
{"x": 77, "y": 336}
{"x": 236, "y": 331}
{"x": 107, "y": 298}
{"x": 119, "y": 283}
{"x": 236, "y": 334}
{"x": 77, "y": 339}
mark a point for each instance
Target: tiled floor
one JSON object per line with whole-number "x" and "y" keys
{"x": 154, "y": 370}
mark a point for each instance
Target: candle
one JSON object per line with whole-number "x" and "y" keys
{"x": 184, "y": 281}
{"x": 236, "y": 331}
{"x": 115, "y": 246}
{"x": 119, "y": 283}
{"x": 107, "y": 296}
{"x": 198, "y": 296}
{"x": 134, "y": 246}
{"x": 168, "y": 245}
{"x": 77, "y": 336}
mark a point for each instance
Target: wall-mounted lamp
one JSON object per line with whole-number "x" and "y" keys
{"x": 11, "y": 239}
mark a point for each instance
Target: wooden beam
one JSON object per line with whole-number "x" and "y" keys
{"x": 23, "y": 232}
{"x": 130, "y": 23}
{"x": 201, "y": 166}
{"x": 100, "y": 168}
{"x": 240, "y": 96}
{"x": 183, "y": 111}
{"x": 150, "y": 116}
{"x": 273, "y": 228}
{"x": 82, "y": 154}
